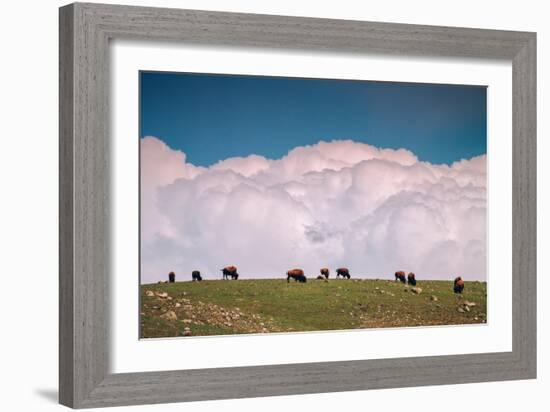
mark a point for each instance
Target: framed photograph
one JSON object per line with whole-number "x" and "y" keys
{"x": 292, "y": 205}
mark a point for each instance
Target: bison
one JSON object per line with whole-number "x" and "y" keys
{"x": 325, "y": 272}
{"x": 411, "y": 279}
{"x": 458, "y": 285}
{"x": 400, "y": 276}
{"x": 171, "y": 277}
{"x": 230, "y": 272}
{"x": 196, "y": 275}
{"x": 344, "y": 272}
{"x": 297, "y": 275}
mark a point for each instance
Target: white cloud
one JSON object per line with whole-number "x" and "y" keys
{"x": 338, "y": 203}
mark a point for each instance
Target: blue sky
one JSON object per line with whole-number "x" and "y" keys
{"x": 213, "y": 117}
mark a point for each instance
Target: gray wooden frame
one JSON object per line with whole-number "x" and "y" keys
{"x": 85, "y": 31}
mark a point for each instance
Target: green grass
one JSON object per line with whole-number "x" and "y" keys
{"x": 218, "y": 307}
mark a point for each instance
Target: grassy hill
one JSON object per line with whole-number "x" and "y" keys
{"x": 218, "y": 307}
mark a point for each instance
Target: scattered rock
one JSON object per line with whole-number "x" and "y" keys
{"x": 187, "y": 332}
{"x": 203, "y": 313}
{"x": 162, "y": 294}
{"x": 149, "y": 293}
{"x": 465, "y": 306}
{"x": 416, "y": 290}
{"x": 434, "y": 298}
{"x": 170, "y": 315}
{"x": 178, "y": 304}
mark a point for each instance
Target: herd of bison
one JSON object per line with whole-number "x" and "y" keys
{"x": 230, "y": 272}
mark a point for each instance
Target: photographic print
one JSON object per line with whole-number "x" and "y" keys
{"x": 281, "y": 204}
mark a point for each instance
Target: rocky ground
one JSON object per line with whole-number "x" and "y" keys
{"x": 272, "y": 305}
{"x": 201, "y": 315}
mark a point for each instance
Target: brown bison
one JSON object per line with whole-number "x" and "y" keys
{"x": 297, "y": 275}
{"x": 459, "y": 285}
{"x": 325, "y": 272}
{"x": 400, "y": 276}
{"x": 230, "y": 272}
{"x": 196, "y": 275}
{"x": 344, "y": 272}
{"x": 411, "y": 279}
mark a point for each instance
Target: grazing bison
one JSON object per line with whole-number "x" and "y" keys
{"x": 171, "y": 277}
{"x": 325, "y": 272}
{"x": 196, "y": 275}
{"x": 230, "y": 272}
{"x": 297, "y": 275}
{"x": 400, "y": 276}
{"x": 459, "y": 285}
{"x": 344, "y": 272}
{"x": 411, "y": 279}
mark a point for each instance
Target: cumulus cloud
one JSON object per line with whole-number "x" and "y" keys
{"x": 338, "y": 203}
